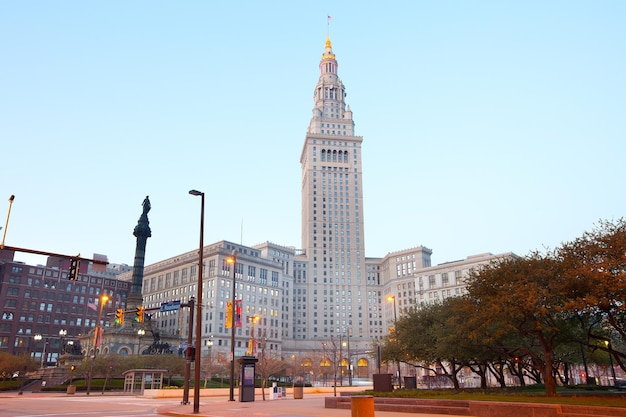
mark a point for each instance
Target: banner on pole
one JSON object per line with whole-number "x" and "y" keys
{"x": 238, "y": 311}
{"x": 229, "y": 315}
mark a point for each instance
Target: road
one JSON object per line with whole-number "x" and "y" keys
{"x": 57, "y": 405}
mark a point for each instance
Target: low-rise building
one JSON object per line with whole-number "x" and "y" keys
{"x": 41, "y": 309}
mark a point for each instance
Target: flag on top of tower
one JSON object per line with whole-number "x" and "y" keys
{"x": 330, "y": 17}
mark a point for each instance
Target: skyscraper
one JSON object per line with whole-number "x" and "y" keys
{"x": 329, "y": 298}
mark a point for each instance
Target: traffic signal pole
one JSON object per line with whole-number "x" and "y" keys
{"x": 58, "y": 255}
{"x": 188, "y": 358}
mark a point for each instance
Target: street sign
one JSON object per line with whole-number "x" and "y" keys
{"x": 170, "y": 306}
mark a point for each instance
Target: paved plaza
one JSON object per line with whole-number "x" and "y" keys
{"x": 310, "y": 406}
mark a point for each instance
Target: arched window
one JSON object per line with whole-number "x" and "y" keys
{"x": 334, "y": 156}
{"x": 323, "y": 154}
{"x": 124, "y": 351}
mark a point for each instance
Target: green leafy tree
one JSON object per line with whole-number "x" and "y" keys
{"x": 429, "y": 338}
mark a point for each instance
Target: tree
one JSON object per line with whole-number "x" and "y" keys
{"x": 524, "y": 295}
{"x": 595, "y": 267}
{"x": 269, "y": 364}
{"x": 429, "y": 337}
{"x": 211, "y": 367}
{"x": 11, "y": 365}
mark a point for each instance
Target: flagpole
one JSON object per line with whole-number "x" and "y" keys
{"x": 329, "y": 18}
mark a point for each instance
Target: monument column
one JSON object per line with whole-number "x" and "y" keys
{"x": 142, "y": 233}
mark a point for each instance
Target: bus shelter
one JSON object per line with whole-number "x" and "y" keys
{"x": 136, "y": 380}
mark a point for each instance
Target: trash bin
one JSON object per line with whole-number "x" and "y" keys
{"x": 382, "y": 383}
{"x": 71, "y": 389}
{"x": 410, "y": 382}
{"x": 298, "y": 392}
{"x": 362, "y": 406}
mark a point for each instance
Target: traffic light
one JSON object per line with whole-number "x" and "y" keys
{"x": 72, "y": 368}
{"x": 119, "y": 316}
{"x": 73, "y": 273}
{"x": 191, "y": 353}
{"x": 139, "y": 314}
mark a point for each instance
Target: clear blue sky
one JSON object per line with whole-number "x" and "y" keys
{"x": 488, "y": 126}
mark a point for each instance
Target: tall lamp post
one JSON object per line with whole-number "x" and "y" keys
{"x": 233, "y": 261}
{"x": 196, "y": 379}
{"x": 395, "y": 324}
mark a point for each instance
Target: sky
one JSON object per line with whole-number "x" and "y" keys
{"x": 487, "y": 126}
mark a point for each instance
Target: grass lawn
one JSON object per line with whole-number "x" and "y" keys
{"x": 535, "y": 394}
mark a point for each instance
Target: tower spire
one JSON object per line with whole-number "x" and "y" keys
{"x": 331, "y": 116}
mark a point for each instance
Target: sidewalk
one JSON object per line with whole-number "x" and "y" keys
{"x": 310, "y": 406}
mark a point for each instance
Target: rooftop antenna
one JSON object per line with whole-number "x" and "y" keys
{"x": 241, "y": 237}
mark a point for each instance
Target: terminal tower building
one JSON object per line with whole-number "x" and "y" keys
{"x": 330, "y": 278}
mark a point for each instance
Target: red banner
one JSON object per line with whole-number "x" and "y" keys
{"x": 238, "y": 312}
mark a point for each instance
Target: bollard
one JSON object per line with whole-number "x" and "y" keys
{"x": 362, "y": 405}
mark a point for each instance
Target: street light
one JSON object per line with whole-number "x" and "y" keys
{"x": 232, "y": 260}
{"x": 140, "y": 333}
{"x": 196, "y": 374}
{"x": 254, "y": 319}
{"x": 347, "y": 362}
{"x": 62, "y": 334}
{"x": 608, "y": 345}
{"x": 395, "y": 329}
{"x": 97, "y": 337}
{"x": 349, "y": 359}
{"x": 209, "y": 345}
{"x": 37, "y": 338}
